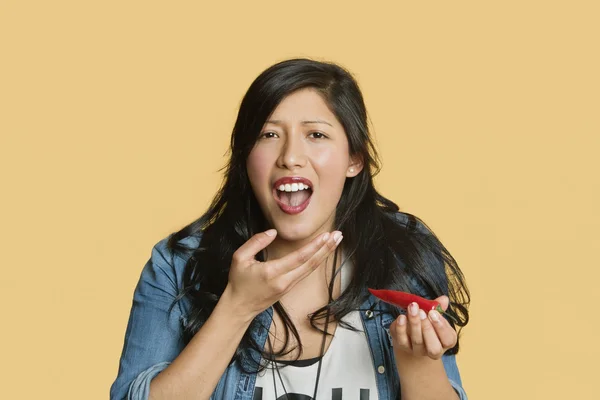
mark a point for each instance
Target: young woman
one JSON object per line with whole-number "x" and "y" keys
{"x": 265, "y": 295}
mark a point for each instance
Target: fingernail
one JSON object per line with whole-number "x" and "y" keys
{"x": 434, "y": 316}
{"x": 414, "y": 309}
{"x": 422, "y": 315}
{"x": 336, "y": 236}
{"x": 325, "y": 237}
{"x": 402, "y": 320}
{"x": 339, "y": 240}
{"x": 271, "y": 232}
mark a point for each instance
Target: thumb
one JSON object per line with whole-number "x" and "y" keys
{"x": 444, "y": 302}
{"x": 255, "y": 244}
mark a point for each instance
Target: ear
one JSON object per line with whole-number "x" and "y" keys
{"x": 355, "y": 166}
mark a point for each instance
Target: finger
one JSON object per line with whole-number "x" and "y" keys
{"x": 446, "y": 334}
{"x": 254, "y": 245}
{"x": 398, "y": 331}
{"x": 300, "y": 272}
{"x": 414, "y": 328}
{"x": 444, "y": 302}
{"x": 433, "y": 346}
{"x": 311, "y": 254}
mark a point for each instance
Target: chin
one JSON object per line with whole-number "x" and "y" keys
{"x": 294, "y": 232}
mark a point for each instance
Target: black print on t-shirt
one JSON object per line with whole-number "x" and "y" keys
{"x": 336, "y": 394}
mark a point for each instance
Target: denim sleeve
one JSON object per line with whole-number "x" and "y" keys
{"x": 454, "y": 376}
{"x": 153, "y": 335}
{"x": 436, "y": 264}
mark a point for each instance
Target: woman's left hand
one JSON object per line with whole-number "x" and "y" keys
{"x": 419, "y": 334}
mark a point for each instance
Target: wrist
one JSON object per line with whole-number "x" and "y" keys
{"x": 406, "y": 361}
{"x": 228, "y": 305}
{"x": 423, "y": 377}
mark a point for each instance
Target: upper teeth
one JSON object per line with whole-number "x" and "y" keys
{"x": 294, "y": 187}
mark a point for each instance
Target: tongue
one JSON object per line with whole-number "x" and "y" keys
{"x": 294, "y": 198}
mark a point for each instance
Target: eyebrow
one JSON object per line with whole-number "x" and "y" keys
{"x": 316, "y": 121}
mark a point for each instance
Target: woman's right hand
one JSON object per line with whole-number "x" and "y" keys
{"x": 254, "y": 286}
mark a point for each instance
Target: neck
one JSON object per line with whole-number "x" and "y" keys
{"x": 313, "y": 290}
{"x": 280, "y": 247}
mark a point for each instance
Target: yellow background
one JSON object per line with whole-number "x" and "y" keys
{"x": 115, "y": 117}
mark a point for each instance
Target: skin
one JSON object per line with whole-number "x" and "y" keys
{"x": 299, "y": 249}
{"x": 292, "y": 143}
{"x": 302, "y": 137}
{"x": 253, "y": 287}
{"x": 419, "y": 341}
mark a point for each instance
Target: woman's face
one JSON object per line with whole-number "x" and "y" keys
{"x": 304, "y": 141}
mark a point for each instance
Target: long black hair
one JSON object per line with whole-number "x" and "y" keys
{"x": 386, "y": 251}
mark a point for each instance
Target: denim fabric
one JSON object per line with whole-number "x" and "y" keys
{"x": 153, "y": 337}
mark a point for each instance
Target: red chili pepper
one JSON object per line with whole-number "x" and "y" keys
{"x": 403, "y": 299}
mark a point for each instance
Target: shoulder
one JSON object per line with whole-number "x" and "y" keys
{"x": 166, "y": 265}
{"x": 420, "y": 254}
{"x": 410, "y": 222}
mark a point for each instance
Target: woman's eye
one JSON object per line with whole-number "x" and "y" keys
{"x": 268, "y": 135}
{"x": 318, "y": 135}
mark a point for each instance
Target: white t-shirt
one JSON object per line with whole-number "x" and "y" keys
{"x": 346, "y": 372}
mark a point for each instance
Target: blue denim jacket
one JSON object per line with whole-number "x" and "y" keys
{"x": 153, "y": 336}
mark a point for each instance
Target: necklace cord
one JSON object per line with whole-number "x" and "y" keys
{"x": 278, "y": 374}
{"x": 326, "y": 324}
{"x": 323, "y": 342}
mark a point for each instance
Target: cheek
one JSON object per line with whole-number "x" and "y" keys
{"x": 257, "y": 166}
{"x": 331, "y": 167}
{"x": 334, "y": 157}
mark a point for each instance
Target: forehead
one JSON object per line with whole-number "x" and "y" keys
{"x": 303, "y": 104}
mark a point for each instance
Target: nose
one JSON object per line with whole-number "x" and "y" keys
{"x": 293, "y": 154}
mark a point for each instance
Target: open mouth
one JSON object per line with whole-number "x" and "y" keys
{"x": 292, "y": 198}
